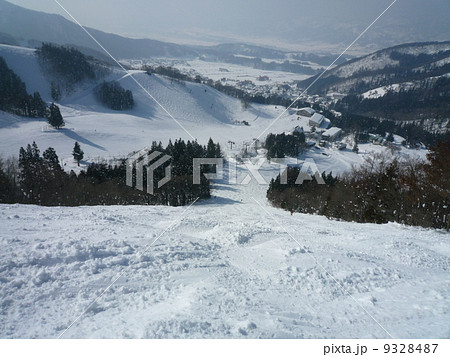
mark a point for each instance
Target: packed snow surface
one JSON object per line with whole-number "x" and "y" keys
{"x": 228, "y": 267}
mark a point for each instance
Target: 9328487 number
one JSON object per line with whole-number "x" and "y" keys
{"x": 410, "y": 348}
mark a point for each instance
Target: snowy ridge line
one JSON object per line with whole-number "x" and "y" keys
{"x": 322, "y": 267}
{"x": 326, "y": 70}
{"x": 125, "y": 70}
{"x": 138, "y": 254}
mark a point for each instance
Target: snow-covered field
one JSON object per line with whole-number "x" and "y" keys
{"x": 231, "y": 266}
{"x": 217, "y": 71}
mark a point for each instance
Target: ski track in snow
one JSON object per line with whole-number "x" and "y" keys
{"x": 226, "y": 270}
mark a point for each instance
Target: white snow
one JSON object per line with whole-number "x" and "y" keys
{"x": 228, "y": 268}
{"x": 381, "y": 60}
{"x": 332, "y": 132}
{"x": 372, "y": 62}
{"x": 23, "y": 62}
{"x": 225, "y": 267}
{"x": 381, "y": 91}
{"x": 219, "y": 70}
{"x": 316, "y": 119}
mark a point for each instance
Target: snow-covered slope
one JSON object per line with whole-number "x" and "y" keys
{"x": 104, "y": 133}
{"x": 392, "y": 65}
{"x": 23, "y": 62}
{"x": 225, "y": 267}
{"x": 201, "y": 110}
{"x": 229, "y": 267}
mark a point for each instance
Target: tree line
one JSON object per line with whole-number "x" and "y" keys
{"x": 14, "y": 97}
{"x": 258, "y": 63}
{"x": 382, "y": 190}
{"x": 284, "y": 145}
{"x": 67, "y": 64}
{"x": 431, "y": 99}
{"x": 412, "y": 132}
{"x": 40, "y": 179}
{"x": 114, "y": 96}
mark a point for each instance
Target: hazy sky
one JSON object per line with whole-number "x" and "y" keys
{"x": 284, "y": 23}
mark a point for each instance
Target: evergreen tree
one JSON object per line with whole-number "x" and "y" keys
{"x": 38, "y": 107}
{"x": 67, "y": 63}
{"x": 14, "y": 97}
{"x": 114, "y": 96}
{"x": 8, "y": 188}
{"x": 42, "y": 181}
{"x": 355, "y": 146}
{"x": 55, "y": 118}
{"x": 51, "y": 158}
{"x": 77, "y": 153}
{"x": 218, "y": 150}
{"x": 30, "y": 172}
{"x": 282, "y": 145}
{"x": 210, "y": 149}
{"x": 210, "y": 153}
{"x": 35, "y": 152}
{"x": 55, "y": 91}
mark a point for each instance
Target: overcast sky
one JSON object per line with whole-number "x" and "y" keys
{"x": 283, "y": 23}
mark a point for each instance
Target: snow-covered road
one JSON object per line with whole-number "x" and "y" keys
{"x": 225, "y": 267}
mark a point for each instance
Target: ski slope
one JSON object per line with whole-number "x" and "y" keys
{"x": 165, "y": 109}
{"x": 229, "y": 267}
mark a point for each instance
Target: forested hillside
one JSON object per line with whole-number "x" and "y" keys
{"x": 14, "y": 97}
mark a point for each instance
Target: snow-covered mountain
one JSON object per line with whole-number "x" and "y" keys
{"x": 20, "y": 26}
{"x": 29, "y": 26}
{"x": 398, "y": 64}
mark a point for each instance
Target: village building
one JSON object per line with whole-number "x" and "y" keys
{"x": 316, "y": 120}
{"x": 332, "y": 134}
{"x": 306, "y": 112}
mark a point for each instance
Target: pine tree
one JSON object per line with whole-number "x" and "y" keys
{"x": 77, "y": 153}
{"x": 51, "y": 158}
{"x": 218, "y": 150}
{"x": 7, "y": 186}
{"x": 35, "y": 152}
{"x": 30, "y": 172}
{"x": 355, "y": 147}
{"x": 210, "y": 149}
{"x": 114, "y": 96}
{"x": 55, "y": 91}
{"x": 55, "y": 118}
{"x": 211, "y": 153}
{"x": 38, "y": 107}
